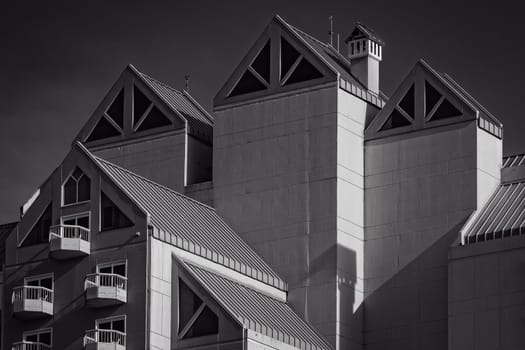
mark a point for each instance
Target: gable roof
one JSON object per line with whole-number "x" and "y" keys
{"x": 189, "y": 224}
{"x": 259, "y": 312}
{"x": 448, "y": 90}
{"x": 199, "y": 120}
{"x": 333, "y": 66}
{"x": 367, "y": 32}
{"x": 502, "y": 216}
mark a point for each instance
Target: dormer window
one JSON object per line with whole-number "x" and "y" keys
{"x": 77, "y": 188}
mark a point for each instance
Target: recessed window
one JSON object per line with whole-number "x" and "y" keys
{"x": 111, "y": 217}
{"x": 118, "y": 268}
{"x": 77, "y": 220}
{"x": 45, "y": 281}
{"x": 40, "y": 231}
{"x": 112, "y": 330}
{"x": 41, "y": 336}
{"x": 395, "y": 120}
{"x": 103, "y": 130}
{"x": 304, "y": 71}
{"x": 196, "y": 319}
{"x": 77, "y": 188}
{"x": 261, "y": 64}
{"x": 248, "y": 83}
{"x": 289, "y": 56}
{"x": 408, "y": 102}
{"x": 116, "y": 110}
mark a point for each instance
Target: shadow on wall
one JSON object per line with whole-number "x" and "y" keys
{"x": 410, "y": 309}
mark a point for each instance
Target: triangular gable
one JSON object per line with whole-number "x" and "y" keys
{"x": 198, "y": 316}
{"x": 423, "y": 100}
{"x": 279, "y": 61}
{"x": 130, "y": 109}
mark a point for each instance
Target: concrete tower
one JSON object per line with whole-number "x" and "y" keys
{"x": 288, "y": 172}
{"x": 365, "y": 51}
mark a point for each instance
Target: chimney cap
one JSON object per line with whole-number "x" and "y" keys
{"x": 363, "y": 31}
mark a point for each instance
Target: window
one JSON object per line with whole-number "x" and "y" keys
{"x": 77, "y": 220}
{"x": 45, "y": 281}
{"x": 111, "y": 217}
{"x": 43, "y": 336}
{"x": 196, "y": 319}
{"x": 112, "y": 330}
{"x": 40, "y": 231}
{"x": 118, "y": 268}
{"x": 77, "y": 188}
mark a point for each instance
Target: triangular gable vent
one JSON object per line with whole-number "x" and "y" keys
{"x": 438, "y": 106}
{"x": 295, "y": 68}
{"x": 145, "y": 114}
{"x": 257, "y": 75}
{"x": 195, "y": 318}
{"x": 403, "y": 114}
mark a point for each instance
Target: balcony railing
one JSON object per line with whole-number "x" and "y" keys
{"x": 68, "y": 241}
{"x": 105, "y": 280}
{"x": 95, "y": 336}
{"x": 24, "y": 293}
{"x": 32, "y": 301}
{"x": 68, "y": 231}
{"x": 29, "y": 345}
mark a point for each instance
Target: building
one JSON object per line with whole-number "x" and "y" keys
{"x": 309, "y": 211}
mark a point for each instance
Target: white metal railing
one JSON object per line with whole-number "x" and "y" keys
{"x": 32, "y": 293}
{"x": 105, "y": 280}
{"x": 104, "y": 336}
{"x": 29, "y": 345}
{"x": 68, "y": 231}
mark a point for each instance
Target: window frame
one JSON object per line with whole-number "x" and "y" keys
{"x": 76, "y": 216}
{"x": 41, "y": 277}
{"x": 112, "y": 264}
{"x": 38, "y": 332}
{"x": 62, "y": 193}
{"x": 111, "y": 319}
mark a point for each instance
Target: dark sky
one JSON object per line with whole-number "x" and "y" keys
{"x": 58, "y": 59}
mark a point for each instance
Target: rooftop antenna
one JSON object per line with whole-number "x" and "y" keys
{"x": 331, "y": 31}
{"x": 187, "y": 78}
{"x": 337, "y": 42}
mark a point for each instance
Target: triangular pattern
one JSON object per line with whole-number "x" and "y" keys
{"x": 303, "y": 72}
{"x": 248, "y": 83}
{"x": 103, "y": 130}
{"x": 407, "y": 104}
{"x": 445, "y": 110}
{"x": 145, "y": 114}
{"x": 281, "y": 59}
{"x": 289, "y": 56}
{"x": 297, "y": 67}
{"x": 432, "y": 96}
{"x": 425, "y": 99}
{"x": 111, "y": 216}
{"x": 395, "y": 120}
{"x": 116, "y": 110}
{"x": 262, "y": 63}
{"x": 195, "y": 318}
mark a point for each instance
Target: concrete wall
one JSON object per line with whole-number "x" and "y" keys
{"x": 486, "y": 303}
{"x": 288, "y": 178}
{"x": 202, "y": 192}
{"x": 419, "y": 189}
{"x": 163, "y": 308}
{"x": 160, "y": 158}
{"x": 71, "y": 315}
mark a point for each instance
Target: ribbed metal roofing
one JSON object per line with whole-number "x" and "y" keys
{"x": 259, "y": 312}
{"x": 512, "y": 161}
{"x": 191, "y": 225}
{"x": 339, "y": 62}
{"x": 200, "y": 121}
{"x": 502, "y": 216}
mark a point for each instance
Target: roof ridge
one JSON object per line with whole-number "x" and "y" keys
{"x": 155, "y": 183}
{"x": 160, "y": 83}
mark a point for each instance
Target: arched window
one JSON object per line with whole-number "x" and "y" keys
{"x": 76, "y": 188}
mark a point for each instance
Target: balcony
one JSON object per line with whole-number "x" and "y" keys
{"x": 68, "y": 241}
{"x": 29, "y": 345}
{"x": 32, "y": 302}
{"x": 105, "y": 289}
{"x": 104, "y": 339}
